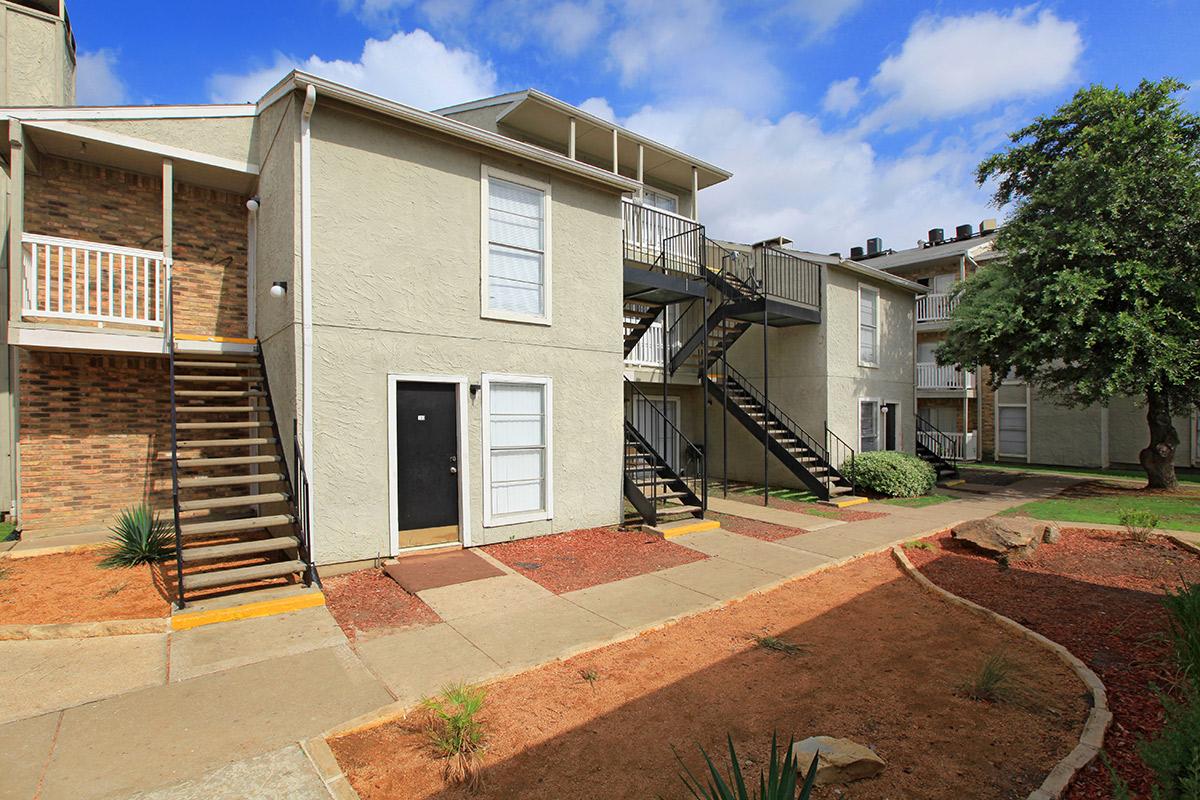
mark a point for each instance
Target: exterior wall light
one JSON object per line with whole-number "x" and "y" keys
{"x": 253, "y": 203}
{"x": 278, "y": 288}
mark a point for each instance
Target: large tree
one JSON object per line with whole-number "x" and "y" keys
{"x": 1098, "y": 293}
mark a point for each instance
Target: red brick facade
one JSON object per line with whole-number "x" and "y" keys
{"x": 91, "y": 428}
{"x": 99, "y": 204}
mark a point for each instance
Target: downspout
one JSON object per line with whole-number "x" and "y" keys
{"x": 310, "y": 100}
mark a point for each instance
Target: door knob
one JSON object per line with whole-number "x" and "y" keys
{"x": 454, "y": 470}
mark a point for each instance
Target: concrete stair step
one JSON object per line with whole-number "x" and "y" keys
{"x": 198, "y": 463}
{"x": 233, "y": 502}
{"x": 217, "y": 425}
{"x": 235, "y": 525}
{"x": 837, "y": 490}
{"x": 220, "y": 393}
{"x": 672, "y": 510}
{"x": 249, "y": 365}
{"x": 225, "y": 577}
{"x": 235, "y": 549}
{"x": 204, "y": 481}
{"x": 202, "y": 409}
{"x": 217, "y": 378}
{"x": 256, "y": 440}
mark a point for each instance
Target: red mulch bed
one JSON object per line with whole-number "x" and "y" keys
{"x": 766, "y": 531}
{"x": 1099, "y": 594}
{"x": 826, "y": 512}
{"x": 367, "y": 602}
{"x": 590, "y": 556}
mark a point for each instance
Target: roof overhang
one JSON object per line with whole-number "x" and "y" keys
{"x": 541, "y": 116}
{"x": 460, "y": 131}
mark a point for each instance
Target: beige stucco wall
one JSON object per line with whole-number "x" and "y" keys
{"x": 396, "y": 273}
{"x": 1129, "y": 433}
{"x": 1063, "y": 435}
{"x": 38, "y": 68}
{"x": 227, "y": 137}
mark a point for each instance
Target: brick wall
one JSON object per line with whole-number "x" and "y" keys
{"x": 91, "y": 427}
{"x": 99, "y": 204}
{"x": 987, "y": 427}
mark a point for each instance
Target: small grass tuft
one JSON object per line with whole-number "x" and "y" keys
{"x": 778, "y": 645}
{"x": 998, "y": 680}
{"x": 919, "y": 544}
{"x": 1139, "y": 522}
{"x": 589, "y": 676}
{"x": 456, "y": 733}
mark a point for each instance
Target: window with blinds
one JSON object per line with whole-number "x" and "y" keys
{"x": 868, "y": 326}
{"x": 868, "y": 426}
{"x": 517, "y": 450}
{"x": 516, "y": 248}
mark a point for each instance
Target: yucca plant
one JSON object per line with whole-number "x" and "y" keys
{"x": 779, "y": 782}
{"x": 139, "y": 537}
{"x": 998, "y": 680}
{"x": 456, "y": 733}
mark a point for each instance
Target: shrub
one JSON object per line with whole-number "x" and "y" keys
{"x": 998, "y": 680}
{"x": 456, "y": 732}
{"x": 891, "y": 473}
{"x": 1183, "y": 611}
{"x": 779, "y": 782}
{"x": 139, "y": 537}
{"x": 1139, "y": 523}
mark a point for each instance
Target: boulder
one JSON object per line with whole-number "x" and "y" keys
{"x": 998, "y": 536}
{"x": 839, "y": 760}
{"x": 1051, "y": 534}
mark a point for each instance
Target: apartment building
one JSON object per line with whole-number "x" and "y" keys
{"x": 962, "y": 416}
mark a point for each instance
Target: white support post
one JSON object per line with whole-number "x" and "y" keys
{"x": 168, "y": 241}
{"x": 251, "y": 271}
{"x": 571, "y": 141}
{"x": 641, "y": 170}
{"x": 616, "y": 165}
{"x": 16, "y": 218}
{"x": 695, "y": 194}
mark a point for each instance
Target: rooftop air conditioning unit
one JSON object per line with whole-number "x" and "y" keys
{"x": 936, "y": 236}
{"x": 963, "y": 232}
{"x": 874, "y": 246}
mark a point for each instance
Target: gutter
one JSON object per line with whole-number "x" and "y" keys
{"x": 310, "y": 100}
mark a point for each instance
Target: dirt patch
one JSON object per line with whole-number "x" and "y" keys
{"x": 590, "y": 556}
{"x": 880, "y": 662}
{"x": 993, "y": 477}
{"x": 1126, "y": 490}
{"x": 766, "y": 531}
{"x": 367, "y": 603}
{"x": 812, "y": 509}
{"x": 72, "y": 587}
{"x": 1098, "y": 594}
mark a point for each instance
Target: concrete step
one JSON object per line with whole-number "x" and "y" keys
{"x": 220, "y": 393}
{"x": 201, "y": 409}
{"x": 217, "y": 378}
{"x": 233, "y": 502}
{"x": 216, "y": 425}
{"x": 237, "y": 549}
{"x": 248, "y": 365}
{"x": 203, "y": 481}
{"x": 676, "y": 510}
{"x": 257, "y": 440}
{"x": 225, "y": 577}
{"x": 200, "y": 463}
{"x": 235, "y": 525}
{"x": 837, "y": 490}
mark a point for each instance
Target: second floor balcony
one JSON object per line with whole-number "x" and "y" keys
{"x": 662, "y": 241}
{"x": 933, "y": 377}
{"x": 935, "y": 307}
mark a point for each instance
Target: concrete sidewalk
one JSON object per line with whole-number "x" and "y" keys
{"x": 199, "y": 713}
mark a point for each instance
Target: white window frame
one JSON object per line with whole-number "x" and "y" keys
{"x": 491, "y": 520}
{"x": 486, "y": 174}
{"x": 878, "y": 428}
{"x": 664, "y": 193}
{"x": 1024, "y": 407}
{"x": 464, "y": 474}
{"x": 864, "y": 288}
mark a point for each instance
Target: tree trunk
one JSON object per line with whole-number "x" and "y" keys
{"x": 1159, "y": 458}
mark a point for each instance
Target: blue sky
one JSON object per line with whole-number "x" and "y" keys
{"x": 840, "y": 119}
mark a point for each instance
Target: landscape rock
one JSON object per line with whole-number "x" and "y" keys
{"x": 997, "y": 536}
{"x": 1051, "y": 534}
{"x": 839, "y": 760}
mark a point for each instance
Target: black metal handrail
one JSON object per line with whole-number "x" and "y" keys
{"x": 943, "y": 447}
{"x": 303, "y": 503}
{"x": 179, "y": 598}
{"x": 662, "y": 239}
{"x": 839, "y": 455}
{"x": 789, "y": 277}
{"x": 690, "y": 464}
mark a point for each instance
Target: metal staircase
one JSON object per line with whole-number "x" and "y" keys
{"x": 235, "y": 508}
{"x": 664, "y": 480}
{"x": 639, "y": 316}
{"x": 809, "y": 459}
{"x": 938, "y": 449}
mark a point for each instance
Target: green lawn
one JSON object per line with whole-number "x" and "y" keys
{"x": 917, "y": 502}
{"x": 1179, "y": 513}
{"x": 1137, "y": 474}
{"x": 6, "y": 531}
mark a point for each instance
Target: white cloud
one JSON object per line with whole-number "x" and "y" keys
{"x": 826, "y": 190}
{"x": 842, "y": 96}
{"x": 412, "y": 68}
{"x": 569, "y": 27}
{"x": 96, "y": 80}
{"x": 600, "y": 107}
{"x": 824, "y": 14}
{"x": 956, "y": 65}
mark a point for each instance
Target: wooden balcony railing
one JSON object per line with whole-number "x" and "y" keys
{"x": 936, "y": 307}
{"x": 93, "y": 283}
{"x": 936, "y": 377}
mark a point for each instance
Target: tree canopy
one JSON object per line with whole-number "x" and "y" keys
{"x": 1098, "y": 292}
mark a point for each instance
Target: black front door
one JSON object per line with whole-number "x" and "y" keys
{"x": 891, "y": 418}
{"x": 426, "y": 463}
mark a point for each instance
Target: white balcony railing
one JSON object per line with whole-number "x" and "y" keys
{"x": 951, "y": 445}
{"x": 936, "y": 377}
{"x": 71, "y": 280}
{"x": 935, "y": 307}
{"x": 648, "y": 352}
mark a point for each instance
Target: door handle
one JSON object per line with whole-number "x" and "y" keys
{"x": 454, "y": 470}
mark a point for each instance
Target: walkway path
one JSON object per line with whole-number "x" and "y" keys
{"x": 213, "y": 711}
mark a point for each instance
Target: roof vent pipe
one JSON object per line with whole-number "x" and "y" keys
{"x": 874, "y": 246}
{"x": 963, "y": 232}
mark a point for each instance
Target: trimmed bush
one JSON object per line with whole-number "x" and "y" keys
{"x": 891, "y": 473}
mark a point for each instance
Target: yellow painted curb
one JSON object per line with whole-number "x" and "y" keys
{"x": 263, "y": 608}
{"x": 955, "y": 482}
{"x": 192, "y": 337}
{"x": 846, "y": 503}
{"x": 695, "y": 527}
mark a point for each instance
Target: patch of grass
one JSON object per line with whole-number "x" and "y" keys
{"x": 794, "y": 495}
{"x": 917, "y": 502}
{"x": 8, "y": 530}
{"x": 1135, "y": 474}
{"x": 998, "y": 680}
{"x": 822, "y": 512}
{"x": 456, "y": 733}
{"x": 778, "y": 645}
{"x": 590, "y": 676}
{"x": 113, "y": 591}
{"x": 919, "y": 544}
{"x": 1174, "y": 512}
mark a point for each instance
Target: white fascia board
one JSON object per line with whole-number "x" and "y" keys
{"x": 880, "y": 275}
{"x": 128, "y": 112}
{"x": 486, "y": 102}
